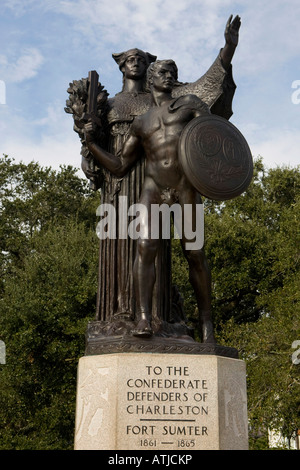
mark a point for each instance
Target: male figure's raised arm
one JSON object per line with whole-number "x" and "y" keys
{"x": 216, "y": 87}
{"x": 231, "y": 40}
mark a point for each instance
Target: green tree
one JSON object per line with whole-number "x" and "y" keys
{"x": 242, "y": 245}
{"x": 44, "y": 311}
{"x": 267, "y": 345}
{"x": 32, "y": 198}
{"x": 49, "y": 258}
{"x": 48, "y": 287}
{"x": 253, "y": 247}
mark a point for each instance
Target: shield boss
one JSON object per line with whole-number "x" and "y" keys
{"x": 215, "y": 157}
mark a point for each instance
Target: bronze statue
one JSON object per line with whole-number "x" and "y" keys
{"x": 158, "y": 132}
{"x": 132, "y": 290}
{"x": 115, "y": 300}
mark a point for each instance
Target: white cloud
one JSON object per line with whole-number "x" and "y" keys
{"x": 49, "y": 140}
{"x": 269, "y": 32}
{"x": 278, "y": 148}
{"x": 48, "y": 152}
{"x": 21, "y": 7}
{"x": 54, "y": 142}
{"x": 26, "y": 66}
{"x": 189, "y": 32}
{"x": 87, "y": 32}
{"x": 269, "y": 36}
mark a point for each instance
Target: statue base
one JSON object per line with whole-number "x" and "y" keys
{"x": 156, "y": 401}
{"x": 176, "y": 338}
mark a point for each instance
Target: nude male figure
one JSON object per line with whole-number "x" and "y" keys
{"x": 158, "y": 132}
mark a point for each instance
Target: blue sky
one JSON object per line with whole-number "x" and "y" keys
{"x": 47, "y": 44}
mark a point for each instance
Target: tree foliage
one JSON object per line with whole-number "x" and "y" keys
{"x": 48, "y": 288}
{"x": 49, "y": 258}
{"x": 244, "y": 240}
{"x": 267, "y": 344}
{"x": 253, "y": 247}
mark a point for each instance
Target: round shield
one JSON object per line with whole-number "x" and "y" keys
{"x": 215, "y": 157}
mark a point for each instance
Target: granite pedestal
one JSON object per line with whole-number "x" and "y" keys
{"x": 153, "y": 401}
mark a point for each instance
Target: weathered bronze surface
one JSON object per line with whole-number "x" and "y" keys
{"x": 106, "y": 338}
{"x": 215, "y": 158}
{"x": 137, "y": 305}
{"x": 157, "y": 132}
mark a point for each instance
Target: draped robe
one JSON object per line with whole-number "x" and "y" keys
{"x": 115, "y": 297}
